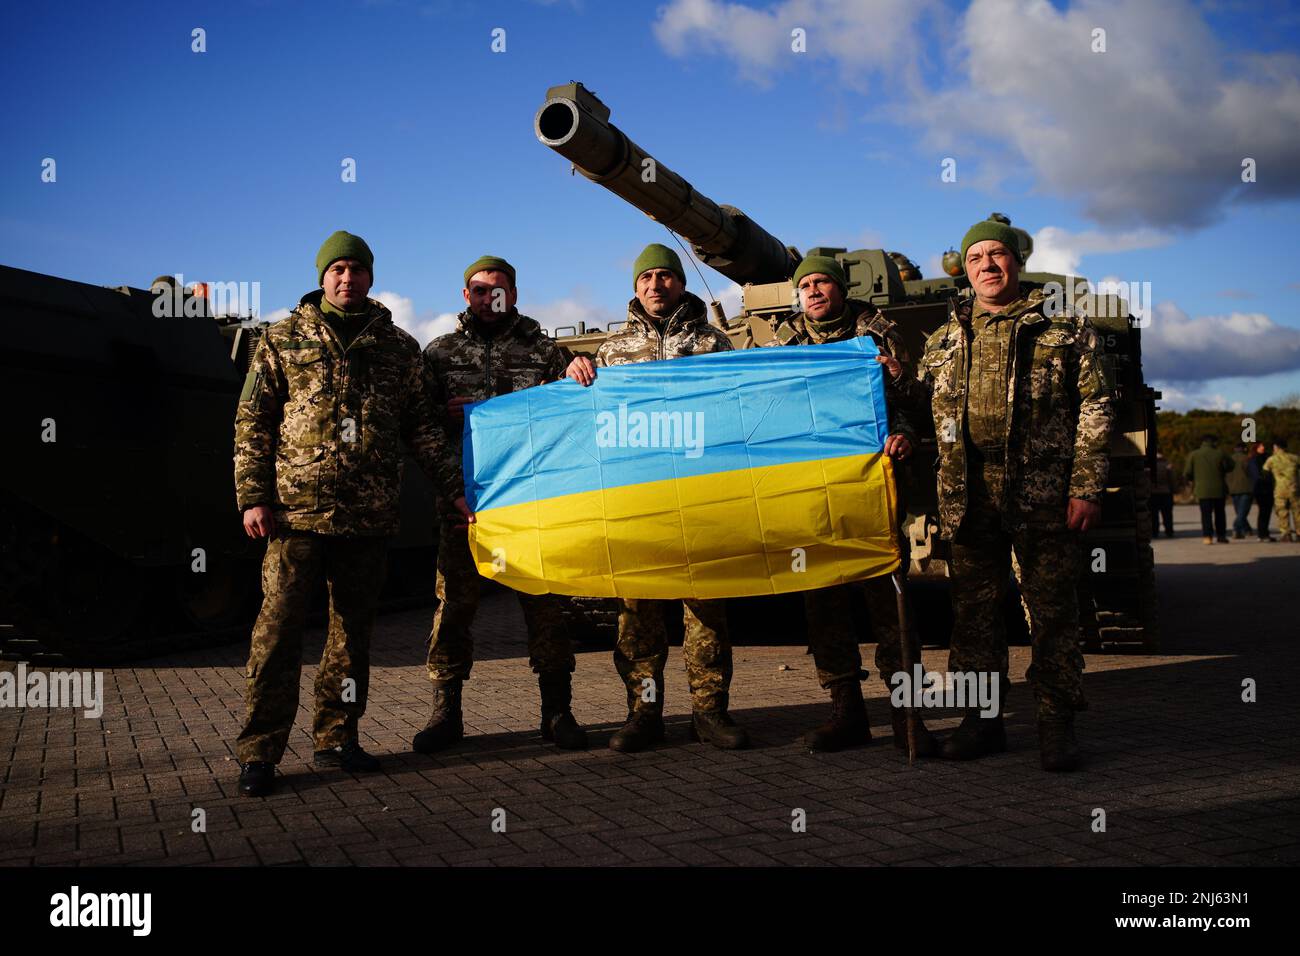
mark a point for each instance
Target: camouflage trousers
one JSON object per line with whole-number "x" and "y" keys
{"x": 353, "y": 569}
{"x": 1049, "y": 565}
{"x": 641, "y": 652}
{"x": 833, "y": 638}
{"x": 451, "y": 645}
{"x": 1284, "y": 503}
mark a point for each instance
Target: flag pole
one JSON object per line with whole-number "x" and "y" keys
{"x": 905, "y": 645}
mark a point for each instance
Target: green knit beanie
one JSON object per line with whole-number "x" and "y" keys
{"x": 490, "y": 264}
{"x": 826, "y": 265}
{"x": 991, "y": 229}
{"x": 656, "y": 256}
{"x": 344, "y": 245}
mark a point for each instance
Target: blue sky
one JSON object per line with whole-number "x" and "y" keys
{"x": 225, "y": 165}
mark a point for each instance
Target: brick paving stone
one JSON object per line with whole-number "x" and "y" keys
{"x": 1188, "y": 774}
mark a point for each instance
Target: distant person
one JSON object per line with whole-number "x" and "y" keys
{"x": 1242, "y": 489}
{"x": 1283, "y": 465}
{"x": 1263, "y": 489}
{"x": 1162, "y": 497}
{"x": 1206, "y": 468}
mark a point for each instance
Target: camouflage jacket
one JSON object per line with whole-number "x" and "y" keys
{"x": 1058, "y": 432}
{"x": 884, "y": 333}
{"x": 1282, "y": 465}
{"x": 468, "y": 364}
{"x": 686, "y": 332}
{"x": 318, "y": 426}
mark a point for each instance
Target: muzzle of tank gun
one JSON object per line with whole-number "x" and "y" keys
{"x": 575, "y": 123}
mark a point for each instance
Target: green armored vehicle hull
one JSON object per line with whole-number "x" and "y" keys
{"x": 119, "y": 535}
{"x": 1118, "y": 603}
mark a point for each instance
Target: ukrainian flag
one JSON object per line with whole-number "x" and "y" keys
{"x": 757, "y": 471}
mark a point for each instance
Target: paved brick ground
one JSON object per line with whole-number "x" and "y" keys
{"x": 1185, "y": 771}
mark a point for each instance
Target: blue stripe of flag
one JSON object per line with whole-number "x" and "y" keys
{"x": 762, "y": 406}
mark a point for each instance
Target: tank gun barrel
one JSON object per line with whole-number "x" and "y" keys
{"x": 575, "y": 123}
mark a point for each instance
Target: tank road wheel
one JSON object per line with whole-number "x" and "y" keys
{"x": 411, "y": 577}
{"x": 22, "y": 546}
{"x": 1147, "y": 597}
{"x": 591, "y": 621}
{"x": 222, "y": 596}
{"x": 92, "y": 600}
{"x": 63, "y": 596}
{"x": 24, "y": 550}
{"x": 930, "y": 601}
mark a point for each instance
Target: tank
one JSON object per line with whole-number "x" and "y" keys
{"x": 1118, "y": 605}
{"x": 119, "y": 534}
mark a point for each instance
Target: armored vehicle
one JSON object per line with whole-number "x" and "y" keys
{"x": 1118, "y": 594}
{"x": 119, "y": 535}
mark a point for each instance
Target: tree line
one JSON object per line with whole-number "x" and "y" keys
{"x": 1180, "y": 432}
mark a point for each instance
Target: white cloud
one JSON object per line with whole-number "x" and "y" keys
{"x": 1152, "y": 132}
{"x": 429, "y": 328}
{"x": 1178, "y": 348}
{"x": 558, "y": 313}
{"x": 423, "y": 326}
{"x": 1175, "y": 399}
{"x": 731, "y": 298}
{"x": 1061, "y": 251}
{"x": 569, "y": 311}
{"x": 859, "y": 38}
{"x": 403, "y": 309}
{"x": 276, "y": 316}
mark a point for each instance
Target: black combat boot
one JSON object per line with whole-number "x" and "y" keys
{"x": 557, "y": 720}
{"x": 848, "y": 726}
{"x": 716, "y": 727}
{"x": 445, "y": 726}
{"x": 926, "y": 744}
{"x": 1060, "y": 751}
{"x": 256, "y": 778}
{"x": 975, "y": 737}
{"x": 349, "y": 757}
{"x": 643, "y": 728}
{"x": 645, "y": 721}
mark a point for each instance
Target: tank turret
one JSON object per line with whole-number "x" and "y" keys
{"x": 1119, "y": 606}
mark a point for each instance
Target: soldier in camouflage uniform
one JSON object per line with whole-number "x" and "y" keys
{"x": 664, "y": 321}
{"x": 829, "y": 316}
{"x": 1022, "y": 412}
{"x": 495, "y": 351}
{"x": 330, "y": 391}
{"x": 1282, "y": 465}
